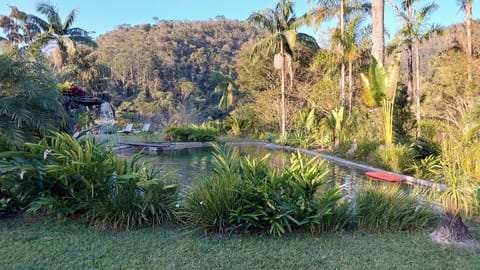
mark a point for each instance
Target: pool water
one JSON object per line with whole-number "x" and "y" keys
{"x": 189, "y": 165}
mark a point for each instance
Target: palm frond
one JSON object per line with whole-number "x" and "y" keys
{"x": 69, "y": 20}
{"x": 263, "y": 19}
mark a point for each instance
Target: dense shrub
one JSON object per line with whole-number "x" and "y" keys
{"x": 247, "y": 195}
{"x": 395, "y": 158}
{"x": 381, "y": 208}
{"x": 423, "y": 148}
{"x": 365, "y": 149}
{"x": 191, "y": 134}
{"x": 63, "y": 177}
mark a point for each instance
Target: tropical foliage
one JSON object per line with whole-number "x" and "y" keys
{"x": 31, "y": 107}
{"x": 174, "y": 74}
{"x": 247, "y": 195}
{"x": 379, "y": 89}
{"x": 63, "y": 177}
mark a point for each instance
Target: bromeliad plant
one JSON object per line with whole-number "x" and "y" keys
{"x": 379, "y": 90}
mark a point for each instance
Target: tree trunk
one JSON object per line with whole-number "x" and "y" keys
{"x": 342, "y": 75}
{"x": 410, "y": 73}
{"x": 350, "y": 87}
{"x": 282, "y": 71}
{"x": 468, "y": 26}
{"x": 411, "y": 91}
{"x": 417, "y": 89}
{"x": 452, "y": 231}
{"x": 378, "y": 30}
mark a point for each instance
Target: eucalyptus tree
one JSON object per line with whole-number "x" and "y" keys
{"x": 58, "y": 33}
{"x": 30, "y": 105}
{"x": 412, "y": 33}
{"x": 341, "y": 9}
{"x": 18, "y": 26}
{"x": 281, "y": 24}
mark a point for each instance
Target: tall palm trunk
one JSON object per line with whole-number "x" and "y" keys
{"x": 378, "y": 30}
{"x": 417, "y": 88}
{"x": 350, "y": 86}
{"x": 282, "y": 71}
{"x": 411, "y": 91}
{"x": 410, "y": 73}
{"x": 468, "y": 26}
{"x": 342, "y": 75}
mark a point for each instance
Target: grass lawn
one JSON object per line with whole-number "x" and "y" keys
{"x": 47, "y": 244}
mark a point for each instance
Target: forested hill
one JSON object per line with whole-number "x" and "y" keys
{"x": 159, "y": 61}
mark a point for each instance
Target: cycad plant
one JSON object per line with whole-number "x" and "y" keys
{"x": 379, "y": 90}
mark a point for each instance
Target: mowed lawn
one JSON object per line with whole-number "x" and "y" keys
{"x": 48, "y": 244}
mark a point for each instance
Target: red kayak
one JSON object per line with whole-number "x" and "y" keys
{"x": 383, "y": 176}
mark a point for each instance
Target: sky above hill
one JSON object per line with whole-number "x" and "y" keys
{"x": 101, "y": 16}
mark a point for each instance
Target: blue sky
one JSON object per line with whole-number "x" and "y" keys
{"x": 102, "y": 16}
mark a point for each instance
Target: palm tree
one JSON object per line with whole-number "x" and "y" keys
{"x": 227, "y": 87}
{"x": 31, "y": 107}
{"x": 351, "y": 43}
{"x": 60, "y": 33}
{"x": 378, "y": 46}
{"x": 466, "y": 5}
{"x": 18, "y": 26}
{"x": 413, "y": 32}
{"x": 281, "y": 23}
{"x": 329, "y": 9}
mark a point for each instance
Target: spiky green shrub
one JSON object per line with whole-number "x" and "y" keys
{"x": 395, "y": 158}
{"x": 382, "y": 208}
{"x": 137, "y": 195}
{"x": 211, "y": 199}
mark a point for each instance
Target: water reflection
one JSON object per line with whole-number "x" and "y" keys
{"x": 189, "y": 165}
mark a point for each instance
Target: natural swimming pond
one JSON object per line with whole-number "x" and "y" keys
{"x": 188, "y": 165}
